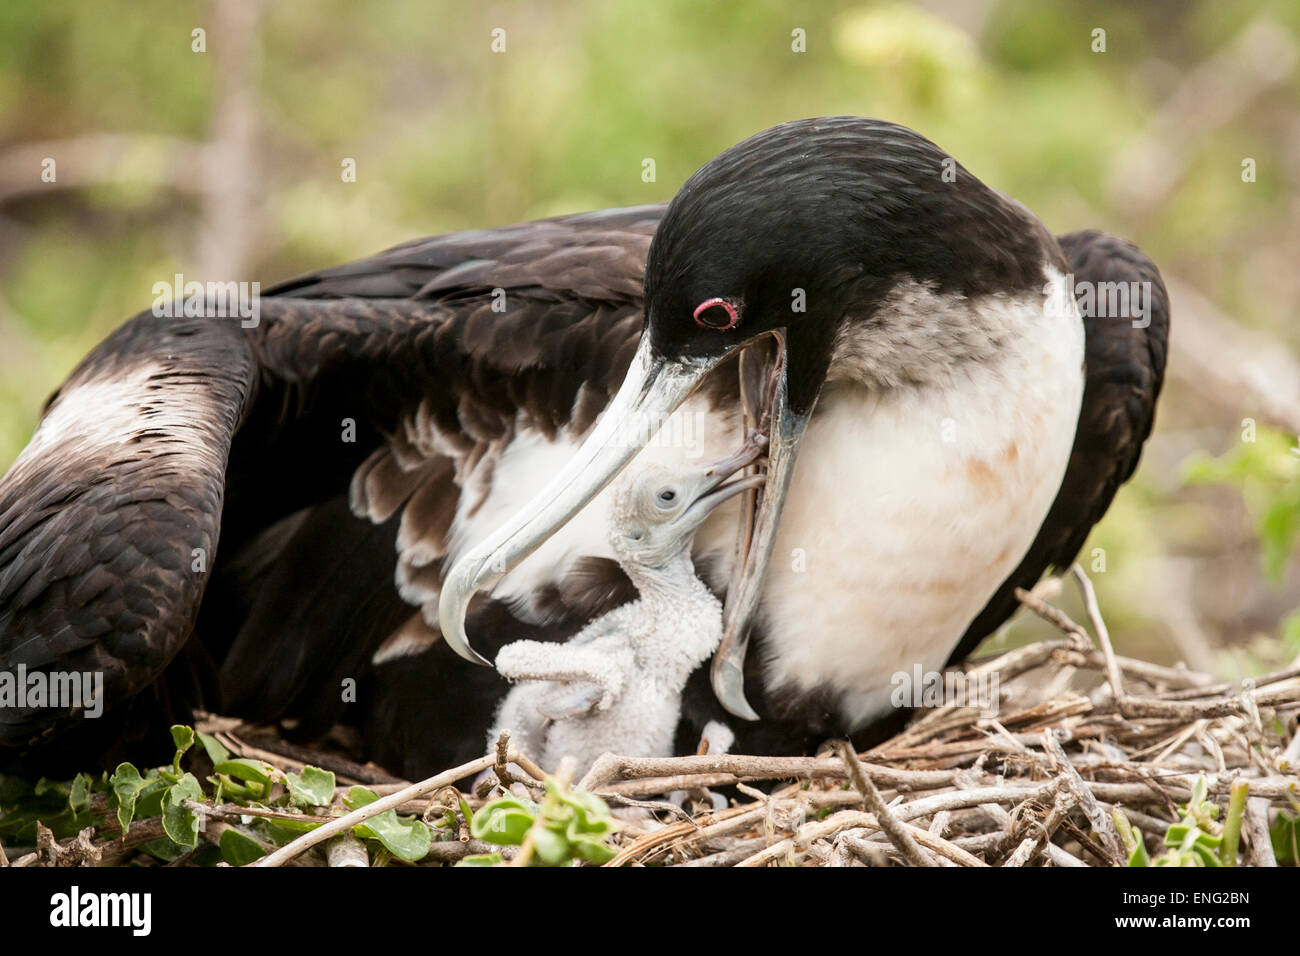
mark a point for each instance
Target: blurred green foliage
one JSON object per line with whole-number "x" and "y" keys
{"x": 1267, "y": 470}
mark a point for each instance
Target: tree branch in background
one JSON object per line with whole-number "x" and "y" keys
{"x": 1221, "y": 88}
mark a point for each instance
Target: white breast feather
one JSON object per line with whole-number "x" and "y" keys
{"x": 908, "y": 509}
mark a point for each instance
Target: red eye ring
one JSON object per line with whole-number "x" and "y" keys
{"x": 733, "y": 314}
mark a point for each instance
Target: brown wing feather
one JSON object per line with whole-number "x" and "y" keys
{"x": 206, "y": 431}
{"x": 106, "y": 512}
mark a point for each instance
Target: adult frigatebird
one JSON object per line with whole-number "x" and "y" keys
{"x": 378, "y": 442}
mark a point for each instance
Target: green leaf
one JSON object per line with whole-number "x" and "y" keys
{"x": 481, "y": 859}
{"x": 79, "y": 793}
{"x": 550, "y": 847}
{"x": 294, "y": 827}
{"x": 127, "y": 784}
{"x": 179, "y": 821}
{"x": 183, "y": 737}
{"x": 285, "y": 831}
{"x": 1207, "y": 856}
{"x": 1285, "y": 834}
{"x": 504, "y": 822}
{"x": 213, "y": 748}
{"x": 149, "y": 802}
{"x": 257, "y": 772}
{"x": 1132, "y": 840}
{"x": 593, "y": 850}
{"x": 405, "y": 837}
{"x": 239, "y": 849}
{"x": 1232, "y": 824}
{"x": 359, "y": 797}
{"x": 242, "y": 768}
{"x": 586, "y": 812}
{"x": 314, "y": 788}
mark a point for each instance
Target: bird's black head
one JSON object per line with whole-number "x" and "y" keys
{"x": 808, "y": 225}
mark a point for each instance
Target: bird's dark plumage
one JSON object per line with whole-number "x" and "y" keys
{"x": 218, "y": 433}
{"x": 193, "y": 476}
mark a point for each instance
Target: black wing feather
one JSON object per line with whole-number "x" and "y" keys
{"x": 99, "y": 530}
{"x": 215, "y": 432}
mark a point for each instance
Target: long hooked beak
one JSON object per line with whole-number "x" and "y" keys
{"x": 764, "y": 395}
{"x": 653, "y": 389}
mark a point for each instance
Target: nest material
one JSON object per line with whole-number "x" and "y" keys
{"x": 1035, "y": 785}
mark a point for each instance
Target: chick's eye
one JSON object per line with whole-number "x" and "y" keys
{"x": 667, "y": 496}
{"x": 716, "y": 314}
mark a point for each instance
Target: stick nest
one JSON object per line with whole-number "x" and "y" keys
{"x": 1035, "y": 785}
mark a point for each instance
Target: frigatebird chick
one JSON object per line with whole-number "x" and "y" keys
{"x": 617, "y": 684}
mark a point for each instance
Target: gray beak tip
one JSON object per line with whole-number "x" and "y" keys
{"x": 452, "y": 604}
{"x": 458, "y": 641}
{"x": 473, "y": 656}
{"x": 729, "y": 686}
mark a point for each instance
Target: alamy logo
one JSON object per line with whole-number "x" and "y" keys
{"x": 678, "y": 430}
{"x": 946, "y": 689}
{"x": 74, "y": 908}
{"x": 61, "y": 689}
{"x": 1102, "y": 300}
{"x": 211, "y": 300}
